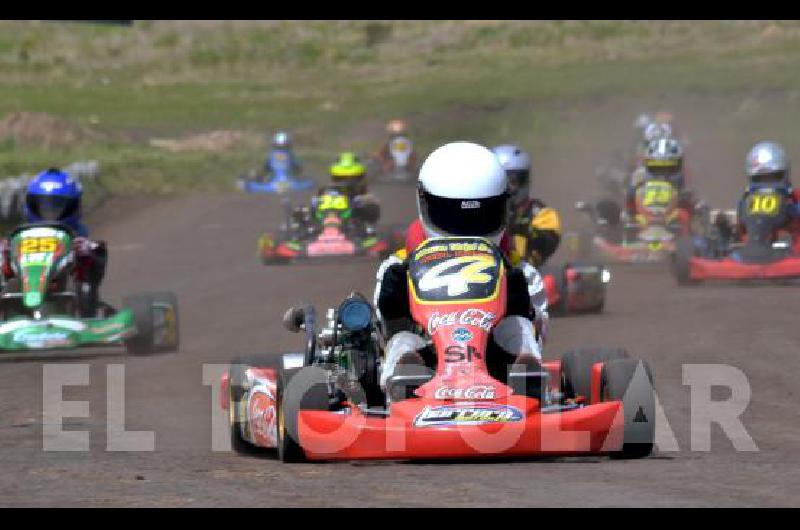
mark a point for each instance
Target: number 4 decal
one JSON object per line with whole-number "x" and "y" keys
{"x": 458, "y": 282}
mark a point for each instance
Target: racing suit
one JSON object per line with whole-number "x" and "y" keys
{"x": 792, "y": 225}
{"x": 515, "y": 335}
{"x": 272, "y": 159}
{"x": 540, "y": 226}
{"x": 687, "y": 203}
{"x": 384, "y": 155}
{"x": 91, "y": 258}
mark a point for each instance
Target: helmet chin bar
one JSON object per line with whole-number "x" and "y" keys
{"x": 431, "y": 232}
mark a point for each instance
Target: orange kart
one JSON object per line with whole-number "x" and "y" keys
{"x": 325, "y": 404}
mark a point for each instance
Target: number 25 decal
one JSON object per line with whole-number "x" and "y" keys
{"x": 38, "y": 244}
{"x": 458, "y": 282}
{"x": 766, "y": 204}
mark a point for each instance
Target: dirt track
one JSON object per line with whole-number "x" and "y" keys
{"x": 204, "y": 249}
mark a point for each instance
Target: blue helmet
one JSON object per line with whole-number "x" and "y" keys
{"x": 53, "y": 196}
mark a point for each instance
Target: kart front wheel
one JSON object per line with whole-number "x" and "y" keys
{"x": 631, "y": 381}
{"x": 155, "y": 316}
{"x": 681, "y": 260}
{"x": 298, "y": 389}
{"x": 576, "y": 369}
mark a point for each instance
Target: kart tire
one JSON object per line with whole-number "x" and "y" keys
{"x": 684, "y": 251}
{"x": 171, "y": 299}
{"x": 576, "y": 368}
{"x": 236, "y": 391}
{"x": 142, "y": 342}
{"x": 142, "y": 306}
{"x": 304, "y": 388}
{"x": 600, "y": 305}
{"x": 631, "y": 381}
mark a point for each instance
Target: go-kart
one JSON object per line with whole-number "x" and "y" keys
{"x": 399, "y": 168}
{"x": 648, "y": 237}
{"x": 279, "y": 180}
{"x": 573, "y": 287}
{"x": 762, "y": 252}
{"x": 335, "y": 225}
{"x": 43, "y": 307}
{"x": 465, "y": 400}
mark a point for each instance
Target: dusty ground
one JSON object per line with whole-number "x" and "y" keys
{"x": 203, "y": 247}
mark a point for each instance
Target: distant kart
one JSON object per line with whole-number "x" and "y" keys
{"x": 575, "y": 287}
{"x": 332, "y": 227}
{"x": 399, "y": 170}
{"x": 280, "y": 180}
{"x": 648, "y": 238}
{"x": 572, "y": 288}
{"x": 721, "y": 254}
{"x": 466, "y": 401}
{"x": 40, "y": 310}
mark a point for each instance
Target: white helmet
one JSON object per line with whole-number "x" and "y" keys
{"x": 282, "y": 139}
{"x": 463, "y": 191}
{"x": 517, "y": 164}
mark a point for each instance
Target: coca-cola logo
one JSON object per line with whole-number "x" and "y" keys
{"x": 472, "y": 393}
{"x": 469, "y": 317}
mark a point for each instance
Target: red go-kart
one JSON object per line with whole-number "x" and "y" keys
{"x": 762, "y": 251}
{"x": 646, "y": 238}
{"x": 335, "y": 225}
{"x": 325, "y": 404}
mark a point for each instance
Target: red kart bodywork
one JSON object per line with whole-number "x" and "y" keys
{"x": 572, "y": 293}
{"x": 730, "y": 269}
{"x": 462, "y": 411}
{"x": 597, "y": 428}
{"x": 657, "y": 213}
{"x": 331, "y": 242}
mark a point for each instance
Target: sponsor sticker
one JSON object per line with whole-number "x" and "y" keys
{"x": 462, "y": 335}
{"x": 468, "y": 317}
{"x": 38, "y": 339}
{"x": 475, "y": 392}
{"x": 444, "y": 415}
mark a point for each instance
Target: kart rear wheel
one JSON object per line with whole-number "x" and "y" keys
{"x": 631, "y": 381}
{"x": 681, "y": 259}
{"x": 236, "y": 391}
{"x": 144, "y": 319}
{"x": 298, "y": 389}
{"x": 576, "y": 368}
{"x": 142, "y": 307}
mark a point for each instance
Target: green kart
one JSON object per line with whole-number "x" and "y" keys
{"x": 39, "y": 306}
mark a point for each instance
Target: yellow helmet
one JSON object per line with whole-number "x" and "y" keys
{"x": 347, "y": 167}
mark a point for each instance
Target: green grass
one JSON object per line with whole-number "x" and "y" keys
{"x": 335, "y": 82}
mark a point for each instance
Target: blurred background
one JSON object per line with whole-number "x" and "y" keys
{"x": 170, "y": 107}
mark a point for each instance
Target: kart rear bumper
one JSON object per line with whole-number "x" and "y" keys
{"x": 637, "y": 253}
{"x": 283, "y": 252}
{"x": 730, "y": 269}
{"x": 595, "y": 429}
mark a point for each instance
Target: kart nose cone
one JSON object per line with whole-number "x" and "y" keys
{"x": 32, "y": 299}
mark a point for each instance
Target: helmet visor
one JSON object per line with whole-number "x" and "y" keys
{"x": 772, "y": 177}
{"x": 664, "y": 169}
{"x": 52, "y": 207}
{"x": 465, "y": 217}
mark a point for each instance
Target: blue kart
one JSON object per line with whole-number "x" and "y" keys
{"x": 279, "y": 177}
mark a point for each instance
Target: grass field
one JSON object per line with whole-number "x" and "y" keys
{"x": 119, "y": 94}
